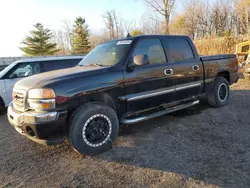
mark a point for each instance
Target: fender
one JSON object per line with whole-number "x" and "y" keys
{"x": 101, "y": 97}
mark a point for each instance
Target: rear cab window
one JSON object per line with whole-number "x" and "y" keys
{"x": 178, "y": 49}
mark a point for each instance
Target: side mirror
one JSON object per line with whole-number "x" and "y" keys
{"x": 139, "y": 60}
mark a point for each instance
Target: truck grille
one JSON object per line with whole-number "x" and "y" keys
{"x": 19, "y": 100}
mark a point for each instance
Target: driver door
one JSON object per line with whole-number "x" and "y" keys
{"x": 18, "y": 72}
{"x": 151, "y": 85}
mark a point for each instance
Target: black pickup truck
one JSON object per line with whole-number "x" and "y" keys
{"x": 123, "y": 81}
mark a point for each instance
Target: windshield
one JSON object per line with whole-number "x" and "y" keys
{"x": 107, "y": 54}
{"x": 6, "y": 69}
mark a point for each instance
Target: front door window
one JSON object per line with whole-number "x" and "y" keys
{"x": 23, "y": 70}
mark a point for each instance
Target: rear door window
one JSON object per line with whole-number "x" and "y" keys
{"x": 73, "y": 62}
{"x": 178, "y": 49}
{"x": 60, "y": 64}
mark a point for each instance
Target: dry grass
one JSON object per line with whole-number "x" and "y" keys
{"x": 219, "y": 45}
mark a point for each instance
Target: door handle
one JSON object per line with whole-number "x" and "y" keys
{"x": 168, "y": 72}
{"x": 195, "y": 67}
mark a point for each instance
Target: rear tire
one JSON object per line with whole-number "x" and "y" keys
{"x": 93, "y": 128}
{"x": 220, "y": 93}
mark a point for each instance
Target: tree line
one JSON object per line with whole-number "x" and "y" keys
{"x": 220, "y": 18}
{"x": 199, "y": 19}
{"x": 40, "y": 41}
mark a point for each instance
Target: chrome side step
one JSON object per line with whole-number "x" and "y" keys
{"x": 156, "y": 114}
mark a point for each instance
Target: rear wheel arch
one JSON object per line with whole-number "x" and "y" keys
{"x": 209, "y": 85}
{"x": 224, "y": 74}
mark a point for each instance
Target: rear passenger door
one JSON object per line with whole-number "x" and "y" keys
{"x": 148, "y": 86}
{"x": 187, "y": 69}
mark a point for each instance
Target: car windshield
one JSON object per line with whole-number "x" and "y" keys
{"x": 106, "y": 54}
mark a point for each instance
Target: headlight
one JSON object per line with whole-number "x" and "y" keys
{"x": 41, "y": 94}
{"x": 41, "y": 99}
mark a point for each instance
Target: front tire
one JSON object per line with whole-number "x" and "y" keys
{"x": 93, "y": 128}
{"x": 220, "y": 93}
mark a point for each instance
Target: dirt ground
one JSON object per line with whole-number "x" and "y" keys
{"x": 197, "y": 147}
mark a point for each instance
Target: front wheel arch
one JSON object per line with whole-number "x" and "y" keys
{"x": 80, "y": 117}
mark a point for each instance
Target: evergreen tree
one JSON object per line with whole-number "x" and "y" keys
{"x": 81, "y": 44}
{"x": 38, "y": 43}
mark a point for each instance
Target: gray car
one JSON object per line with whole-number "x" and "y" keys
{"x": 24, "y": 68}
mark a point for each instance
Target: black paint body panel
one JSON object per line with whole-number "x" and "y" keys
{"x": 118, "y": 85}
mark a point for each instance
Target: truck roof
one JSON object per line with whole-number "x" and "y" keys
{"x": 147, "y": 36}
{"x": 142, "y": 36}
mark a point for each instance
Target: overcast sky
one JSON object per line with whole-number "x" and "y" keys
{"x": 17, "y": 17}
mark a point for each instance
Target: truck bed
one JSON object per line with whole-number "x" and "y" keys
{"x": 217, "y": 57}
{"x": 226, "y": 64}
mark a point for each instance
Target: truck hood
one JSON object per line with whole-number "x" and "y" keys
{"x": 43, "y": 79}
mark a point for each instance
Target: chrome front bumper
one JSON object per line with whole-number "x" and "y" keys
{"x": 18, "y": 119}
{"x": 47, "y": 128}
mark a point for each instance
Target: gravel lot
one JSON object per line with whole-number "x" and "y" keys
{"x": 197, "y": 147}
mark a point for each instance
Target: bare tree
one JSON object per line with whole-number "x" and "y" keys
{"x": 178, "y": 25}
{"x": 58, "y": 38}
{"x": 203, "y": 19}
{"x": 62, "y": 37}
{"x": 200, "y": 19}
{"x": 109, "y": 22}
{"x": 113, "y": 24}
{"x": 67, "y": 27}
{"x": 219, "y": 17}
{"x": 187, "y": 22}
{"x": 130, "y": 25}
{"x": 190, "y": 14}
{"x": 97, "y": 37}
{"x": 164, "y": 8}
{"x": 242, "y": 9}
